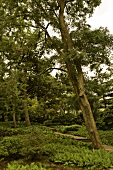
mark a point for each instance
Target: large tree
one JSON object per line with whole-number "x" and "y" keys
{"x": 75, "y": 44}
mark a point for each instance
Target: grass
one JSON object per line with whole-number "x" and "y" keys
{"x": 38, "y": 143}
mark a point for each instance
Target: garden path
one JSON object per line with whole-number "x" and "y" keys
{"x": 83, "y": 139}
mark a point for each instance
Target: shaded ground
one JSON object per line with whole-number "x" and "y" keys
{"x": 63, "y": 167}
{"x": 3, "y": 165}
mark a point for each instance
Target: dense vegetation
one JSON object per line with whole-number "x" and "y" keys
{"x": 38, "y": 147}
{"x": 39, "y": 38}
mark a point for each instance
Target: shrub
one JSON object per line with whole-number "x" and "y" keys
{"x": 107, "y": 137}
{"x": 32, "y": 147}
{"x": 28, "y": 146}
{"x": 71, "y": 128}
{"x": 10, "y": 146}
{"x": 48, "y": 122}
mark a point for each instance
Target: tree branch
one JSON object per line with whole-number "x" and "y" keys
{"x": 52, "y": 68}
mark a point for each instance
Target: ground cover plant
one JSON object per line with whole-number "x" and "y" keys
{"x": 17, "y": 166}
{"x": 39, "y": 143}
{"x": 80, "y": 130}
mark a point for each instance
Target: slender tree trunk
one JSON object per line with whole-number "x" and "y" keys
{"x": 27, "y": 119}
{"x": 14, "y": 115}
{"x": 3, "y": 117}
{"x": 104, "y": 101}
{"x": 14, "y": 119}
{"x": 77, "y": 79}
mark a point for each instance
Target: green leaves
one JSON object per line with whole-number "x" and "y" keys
{"x": 82, "y": 157}
{"x": 18, "y": 166}
{"x": 94, "y": 46}
{"x": 40, "y": 142}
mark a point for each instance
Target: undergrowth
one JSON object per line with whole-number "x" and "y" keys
{"x": 39, "y": 142}
{"x": 106, "y": 136}
{"x": 18, "y": 166}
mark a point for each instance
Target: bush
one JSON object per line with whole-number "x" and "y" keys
{"x": 104, "y": 122}
{"x": 28, "y": 146}
{"x": 6, "y": 131}
{"x": 64, "y": 119}
{"x": 48, "y": 123}
{"x": 71, "y": 128}
{"x": 10, "y": 146}
{"x": 107, "y": 137}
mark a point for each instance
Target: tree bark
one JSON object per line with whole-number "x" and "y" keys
{"x": 27, "y": 119}
{"x": 89, "y": 121}
{"x": 77, "y": 80}
{"x": 24, "y": 79}
{"x": 14, "y": 119}
{"x": 85, "y": 107}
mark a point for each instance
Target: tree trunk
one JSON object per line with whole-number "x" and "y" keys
{"x": 3, "y": 117}
{"x": 24, "y": 79}
{"x": 14, "y": 119}
{"x": 77, "y": 79}
{"x": 89, "y": 121}
{"x": 104, "y": 101}
{"x": 85, "y": 106}
{"x": 27, "y": 119}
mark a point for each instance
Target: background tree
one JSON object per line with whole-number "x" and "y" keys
{"x": 99, "y": 91}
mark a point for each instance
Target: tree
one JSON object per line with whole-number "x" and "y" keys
{"x": 10, "y": 98}
{"x": 74, "y": 68}
{"x": 74, "y": 44}
{"x": 25, "y": 97}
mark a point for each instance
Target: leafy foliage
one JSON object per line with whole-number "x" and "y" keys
{"x": 82, "y": 157}
{"x": 25, "y": 45}
{"x": 39, "y": 142}
{"x": 22, "y": 146}
{"x": 65, "y": 129}
{"x": 15, "y": 165}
